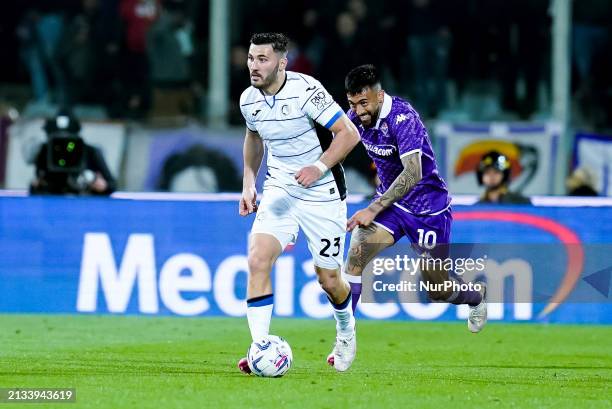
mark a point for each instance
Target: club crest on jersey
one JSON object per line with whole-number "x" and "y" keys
{"x": 285, "y": 109}
{"x": 384, "y": 129}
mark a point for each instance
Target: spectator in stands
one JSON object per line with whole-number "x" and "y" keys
{"x": 76, "y": 55}
{"x": 298, "y": 60}
{"x": 581, "y": 183}
{"x": 493, "y": 173}
{"x": 341, "y": 54}
{"x": 39, "y": 33}
{"x": 137, "y": 17}
{"x": 428, "y": 45}
{"x": 66, "y": 164}
{"x": 170, "y": 50}
{"x": 88, "y": 54}
{"x": 239, "y": 74}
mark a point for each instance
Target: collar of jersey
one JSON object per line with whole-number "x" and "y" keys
{"x": 265, "y": 97}
{"x": 384, "y": 110}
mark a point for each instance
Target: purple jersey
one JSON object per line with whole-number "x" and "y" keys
{"x": 399, "y": 132}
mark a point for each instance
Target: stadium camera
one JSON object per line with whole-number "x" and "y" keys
{"x": 66, "y": 151}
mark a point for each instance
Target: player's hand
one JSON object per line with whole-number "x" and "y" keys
{"x": 362, "y": 218}
{"x": 308, "y": 175}
{"x": 248, "y": 201}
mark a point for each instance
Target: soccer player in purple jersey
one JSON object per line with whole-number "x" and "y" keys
{"x": 412, "y": 199}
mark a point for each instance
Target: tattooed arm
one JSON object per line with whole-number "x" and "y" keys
{"x": 410, "y": 176}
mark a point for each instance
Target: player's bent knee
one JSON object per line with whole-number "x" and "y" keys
{"x": 329, "y": 285}
{"x": 330, "y": 281}
{"x": 259, "y": 264}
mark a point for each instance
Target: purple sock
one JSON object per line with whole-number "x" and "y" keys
{"x": 356, "y": 293}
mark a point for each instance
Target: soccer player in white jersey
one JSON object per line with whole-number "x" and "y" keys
{"x": 304, "y": 188}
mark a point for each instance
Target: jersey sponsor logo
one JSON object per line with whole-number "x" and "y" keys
{"x": 380, "y": 150}
{"x": 256, "y": 112}
{"x": 400, "y": 118}
{"x": 321, "y": 99}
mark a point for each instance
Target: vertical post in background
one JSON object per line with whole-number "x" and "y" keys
{"x": 561, "y": 11}
{"x": 217, "y": 103}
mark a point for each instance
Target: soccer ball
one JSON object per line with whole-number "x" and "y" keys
{"x": 270, "y": 357}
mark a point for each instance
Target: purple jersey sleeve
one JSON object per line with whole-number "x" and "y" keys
{"x": 409, "y": 132}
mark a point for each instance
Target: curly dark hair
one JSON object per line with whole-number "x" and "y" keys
{"x": 278, "y": 41}
{"x": 361, "y": 77}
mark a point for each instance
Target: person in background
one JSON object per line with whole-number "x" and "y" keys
{"x": 581, "y": 183}
{"x": 493, "y": 173}
{"x": 428, "y": 39}
{"x": 137, "y": 17}
{"x": 67, "y": 165}
{"x": 39, "y": 34}
{"x": 170, "y": 49}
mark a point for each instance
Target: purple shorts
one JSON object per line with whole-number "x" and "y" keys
{"x": 424, "y": 232}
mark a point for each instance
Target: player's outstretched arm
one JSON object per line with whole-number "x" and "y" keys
{"x": 252, "y": 152}
{"x": 346, "y": 137}
{"x": 410, "y": 176}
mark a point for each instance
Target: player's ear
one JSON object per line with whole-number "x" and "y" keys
{"x": 282, "y": 64}
{"x": 380, "y": 95}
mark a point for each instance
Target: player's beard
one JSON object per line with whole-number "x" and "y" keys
{"x": 372, "y": 116}
{"x": 269, "y": 80}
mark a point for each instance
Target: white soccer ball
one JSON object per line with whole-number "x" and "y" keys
{"x": 270, "y": 357}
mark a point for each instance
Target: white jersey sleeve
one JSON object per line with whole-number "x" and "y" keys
{"x": 318, "y": 104}
{"x": 244, "y": 109}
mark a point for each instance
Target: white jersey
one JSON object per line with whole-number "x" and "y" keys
{"x": 286, "y": 123}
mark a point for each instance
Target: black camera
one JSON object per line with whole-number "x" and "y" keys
{"x": 66, "y": 151}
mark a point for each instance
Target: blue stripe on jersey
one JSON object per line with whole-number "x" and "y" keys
{"x": 297, "y": 154}
{"x": 334, "y": 119}
{"x": 293, "y": 137}
{"x": 279, "y": 120}
{"x": 262, "y": 100}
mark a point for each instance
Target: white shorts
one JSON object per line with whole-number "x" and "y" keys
{"x": 324, "y": 224}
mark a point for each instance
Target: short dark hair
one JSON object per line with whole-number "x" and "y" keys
{"x": 278, "y": 41}
{"x": 361, "y": 77}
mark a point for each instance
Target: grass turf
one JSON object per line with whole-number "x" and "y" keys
{"x": 146, "y": 362}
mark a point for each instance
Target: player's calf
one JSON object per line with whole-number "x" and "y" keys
{"x": 441, "y": 288}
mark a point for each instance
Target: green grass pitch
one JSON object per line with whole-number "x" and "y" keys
{"x": 146, "y": 362}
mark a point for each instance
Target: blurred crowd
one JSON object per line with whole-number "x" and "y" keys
{"x": 458, "y": 60}
{"x": 133, "y": 57}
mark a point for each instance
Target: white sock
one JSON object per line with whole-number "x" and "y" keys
{"x": 259, "y": 315}
{"x": 345, "y": 321}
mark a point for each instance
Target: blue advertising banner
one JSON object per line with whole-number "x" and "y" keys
{"x": 189, "y": 258}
